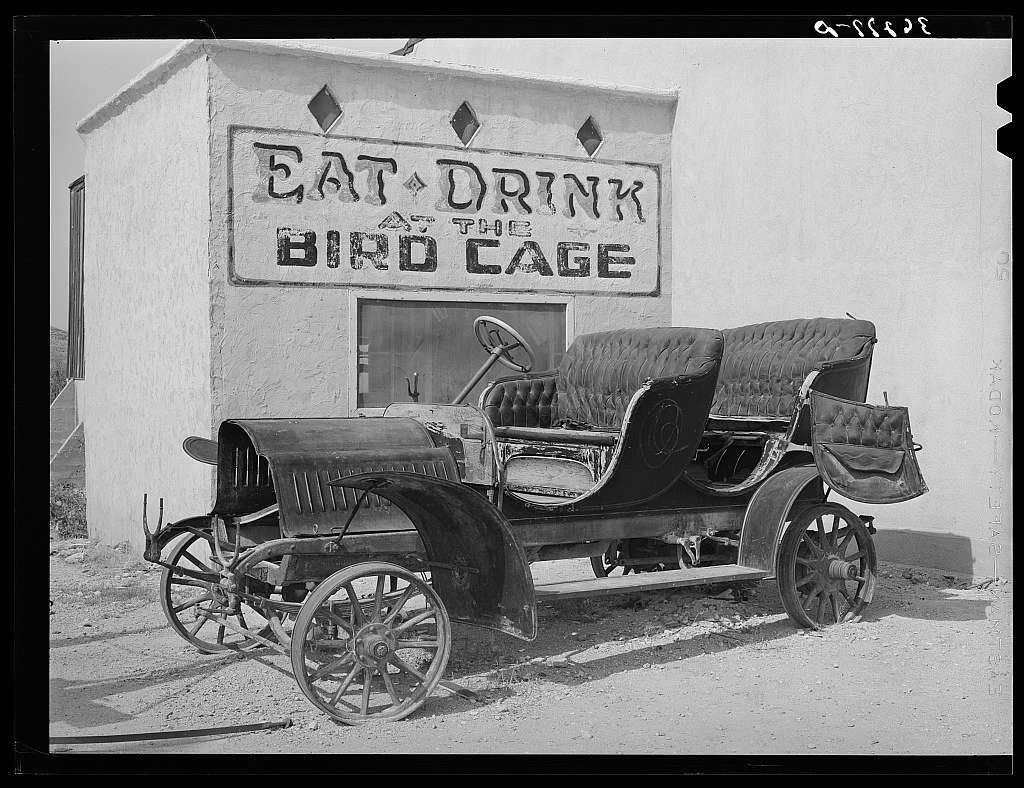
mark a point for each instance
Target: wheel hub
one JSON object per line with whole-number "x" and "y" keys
{"x": 839, "y": 569}
{"x": 373, "y": 644}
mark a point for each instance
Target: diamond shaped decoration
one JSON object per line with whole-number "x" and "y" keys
{"x": 414, "y": 183}
{"x": 325, "y": 108}
{"x": 465, "y": 123}
{"x": 589, "y": 136}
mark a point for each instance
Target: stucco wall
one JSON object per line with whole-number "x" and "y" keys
{"x": 866, "y": 180}
{"x": 821, "y": 177}
{"x": 147, "y": 306}
{"x": 290, "y": 350}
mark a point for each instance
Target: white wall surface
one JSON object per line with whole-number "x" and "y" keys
{"x": 147, "y": 307}
{"x": 812, "y": 177}
{"x": 819, "y": 177}
{"x": 289, "y": 351}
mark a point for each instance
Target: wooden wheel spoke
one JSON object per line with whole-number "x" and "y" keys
{"x": 406, "y": 596}
{"x": 417, "y": 619}
{"x": 806, "y": 579}
{"x": 810, "y": 543}
{"x": 199, "y": 625}
{"x": 805, "y": 561}
{"x": 833, "y": 598}
{"x": 378, "y": 598}
{"x": 846, "y": 594}
{"x": 390, "y": 686}
{"x": 341, "y": 622}
{"x": 810, "y": 597}
{"x": 196, "y": 561}
{"x": 855, "y": 556}
{"x": 822, "y": 539}
{"x": 358, "y": 617}
{"x": 417, "y": 644}
{"x": 188, "y": 581}
{"x": 345, "y": 685}
{"x": 367, "y": 676}
{"x": 841, "y": 547}
{"x": 220, "y": 635}
{"x": 821, "y": 601}
{"x": 192, "y": 603}
{"x": 401, "y": 664}
{"x": 331, "y": 667}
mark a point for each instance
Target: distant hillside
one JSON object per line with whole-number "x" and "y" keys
{"x": 58, "y": 361}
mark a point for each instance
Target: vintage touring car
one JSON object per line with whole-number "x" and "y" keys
{"x": 668, "y": 456}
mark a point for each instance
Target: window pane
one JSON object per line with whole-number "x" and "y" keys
{"x": 436, "y": 339}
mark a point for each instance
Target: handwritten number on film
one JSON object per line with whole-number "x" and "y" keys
{"x": 823, "y": 28}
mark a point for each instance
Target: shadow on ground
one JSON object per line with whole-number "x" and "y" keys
{"x": 579, "y": 641}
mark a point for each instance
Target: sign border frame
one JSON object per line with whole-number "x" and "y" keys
{"x": 240, "y": 281}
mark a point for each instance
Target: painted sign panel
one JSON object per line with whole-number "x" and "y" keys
{"x": 343, "y": 211}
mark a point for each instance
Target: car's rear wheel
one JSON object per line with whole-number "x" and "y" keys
{"x": 826, "y": 566}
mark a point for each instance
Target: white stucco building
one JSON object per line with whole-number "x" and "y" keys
{"x": 256, "y": 246}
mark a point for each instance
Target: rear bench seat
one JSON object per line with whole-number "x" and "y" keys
{"x": 768, "y": 367}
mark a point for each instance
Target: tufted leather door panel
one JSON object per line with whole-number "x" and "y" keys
{"x": 865, "y": 452}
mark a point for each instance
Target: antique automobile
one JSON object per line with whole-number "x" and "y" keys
{"x": 667, "y": 456}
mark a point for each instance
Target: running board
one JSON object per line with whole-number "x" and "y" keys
{"x": 648, "y": 581}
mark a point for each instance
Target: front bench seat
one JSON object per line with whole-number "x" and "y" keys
{"x": 598, "y": 376}
{"x": 646, "y": 392}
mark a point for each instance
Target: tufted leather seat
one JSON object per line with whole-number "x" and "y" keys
{"x": 522, "y": 402}
{"x": 765, "y": 365}
{"x": 626, "y": 412}
{"x": 866, "y": 426}
{"x": 599, "y": 375}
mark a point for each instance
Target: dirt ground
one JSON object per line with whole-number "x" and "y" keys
{"x": 927, "y": 671}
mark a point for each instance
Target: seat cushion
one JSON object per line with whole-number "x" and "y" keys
{"x": 524, "y": 402}
{"x": 601, "y": 372}
{"x": 765, "y": 364}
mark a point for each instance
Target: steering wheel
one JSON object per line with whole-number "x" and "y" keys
{"x": 489, "y": 332}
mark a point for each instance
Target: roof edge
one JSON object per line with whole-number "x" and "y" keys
{"x": 186, "y": 51}
{"x": 141, "y": 84}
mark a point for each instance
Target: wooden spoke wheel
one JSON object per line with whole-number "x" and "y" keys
{"x": 826, "y": 567}
{"x": 360, "y": 653}
{"x": 196, "y": 605}
{"x": 611, "y": 563}
{"x": 607, "y": 565}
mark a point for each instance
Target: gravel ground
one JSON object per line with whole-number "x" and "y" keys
{"x": 928, "y": 672}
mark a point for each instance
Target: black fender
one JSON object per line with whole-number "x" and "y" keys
{"x": 477, "y": 567}
{"x": 771, "y": 507}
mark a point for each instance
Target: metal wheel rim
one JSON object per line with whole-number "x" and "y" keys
{"x": 330, "y": 669}
{"x": 226, "y": 639}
